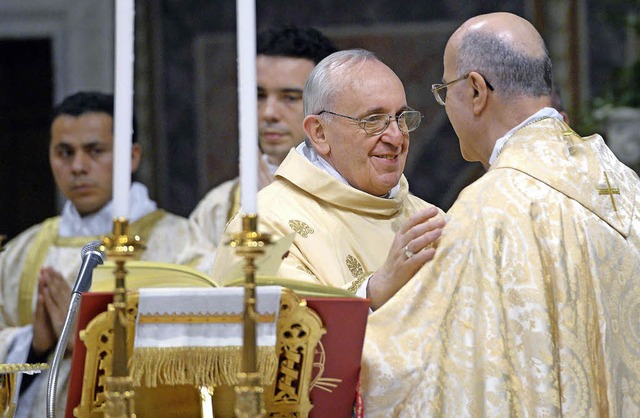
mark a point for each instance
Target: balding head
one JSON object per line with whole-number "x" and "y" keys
{"x": 507, "y": 50}
{"x": 497, "y": 73}
{"x": 513, "y": 30}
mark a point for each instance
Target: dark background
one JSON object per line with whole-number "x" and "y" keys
{"x": 186, "y": 98}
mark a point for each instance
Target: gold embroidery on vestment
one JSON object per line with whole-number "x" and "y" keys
{"x": 357, "y": 271}
{"x": 609, "y": 191}
{"x": 355, "y": 285}
{"x": 301, "y": 228}
{"x": 355, "y": 267}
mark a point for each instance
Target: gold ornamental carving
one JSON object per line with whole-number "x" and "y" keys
{"x": 8, "y": 387}
{"x": 299, "y": 332}
{"x": 98, "y": 339}
{"x": 298, "y": 348}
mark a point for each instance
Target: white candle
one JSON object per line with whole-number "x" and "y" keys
{"x": 123, "y": 107}
{"x": 247, "y": 104}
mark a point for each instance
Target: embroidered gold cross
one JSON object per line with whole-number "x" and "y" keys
{"x": 609, "y": 191}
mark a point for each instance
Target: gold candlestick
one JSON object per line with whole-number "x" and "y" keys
{"x": 120, "y": 247}
{"x": 249, "y": 244}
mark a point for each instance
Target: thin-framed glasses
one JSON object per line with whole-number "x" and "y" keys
{"x": 408, "y": 121}
{"x": 440, "y": 90}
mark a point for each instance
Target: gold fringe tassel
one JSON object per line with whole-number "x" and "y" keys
{"x": 200, "y": 366}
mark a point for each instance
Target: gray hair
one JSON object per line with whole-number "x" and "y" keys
{"x": 327, "y": 79}
{"x": 510, "y": 71}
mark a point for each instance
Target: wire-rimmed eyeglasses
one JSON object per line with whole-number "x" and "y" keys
{"x": 440, "y": 90}
{"x": 376, "y": 124}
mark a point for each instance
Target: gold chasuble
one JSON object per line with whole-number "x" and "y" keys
{"x": 341, "y": 233}
{"x": 531, "y": 306}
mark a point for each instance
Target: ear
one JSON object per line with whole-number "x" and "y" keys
{"x": 480, "y": 92}
{"x": 315, "y": 131}
{"x": 136, "y": 156}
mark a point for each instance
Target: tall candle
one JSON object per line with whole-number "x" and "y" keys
{"x": 247, "y": 104}
{"x": 123, "y": 107}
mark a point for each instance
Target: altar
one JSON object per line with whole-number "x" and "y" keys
{"x": 312, "y": 369}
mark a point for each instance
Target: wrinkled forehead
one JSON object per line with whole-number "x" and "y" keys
{"x": 372, "y": 83}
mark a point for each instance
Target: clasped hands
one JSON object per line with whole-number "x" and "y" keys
{"x": 412, "y": 247}
{"x": 53, "y": 298}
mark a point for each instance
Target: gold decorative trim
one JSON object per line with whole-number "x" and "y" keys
{"x": 34, "y": 260}
{"x": 301, "y": 228}
{"x": 355, "y": 267}
{"x": 196, "y": 366}
{"x": 355, "y": 285}
{"x": 23, "y": 368}
{"x": 324, "y": 383}
{"x": 609, "y": 191}
{"x": 298, "y": 352}
{"x": 48, "y": 236}
{"x": 8, "y": 389}
{"x": 199, "y": 318}
{"x": 98, "y": 339}
{"x": 299, "y": 332}
{"x": 234, "y": 199}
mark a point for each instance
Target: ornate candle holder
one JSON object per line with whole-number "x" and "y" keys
{"x": 8, "y": 378}
{"x": 249, "y": 392}
{"x": 120, "y": 247}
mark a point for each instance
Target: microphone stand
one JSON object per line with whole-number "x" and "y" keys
{"x": 61, "y": 347}
{"x": 83, "y": 283}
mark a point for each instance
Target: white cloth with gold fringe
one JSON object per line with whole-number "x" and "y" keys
{"x": 195, "y": 335}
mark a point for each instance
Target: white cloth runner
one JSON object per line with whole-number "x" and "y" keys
{"x": 183, "y": 303}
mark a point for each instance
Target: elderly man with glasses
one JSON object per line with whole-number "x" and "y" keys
{"x": 343, "y": 192}
{"x": 530, "y": 306}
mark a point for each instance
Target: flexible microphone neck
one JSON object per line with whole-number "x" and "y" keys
{"x": 91, "y": 257}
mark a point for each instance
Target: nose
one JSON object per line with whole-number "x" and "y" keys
{"x": 270, "y": 108}
{"x": 79, "y": 163}
{"x": 393, "y": 135}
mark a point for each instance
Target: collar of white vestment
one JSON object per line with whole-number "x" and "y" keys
{"x": 272, "y": 167}
{"x": 297, "y": 170}
{"x": 545, "y": 112}
{"x": 101, "y": 222}
{"x": 194, "y": 336}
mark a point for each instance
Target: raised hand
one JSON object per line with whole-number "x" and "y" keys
{"x": 412, "y": 247}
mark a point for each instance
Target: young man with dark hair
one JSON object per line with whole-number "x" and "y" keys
{"x": 40, "y": 265}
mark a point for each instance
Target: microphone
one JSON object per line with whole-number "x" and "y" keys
{"x": 91, "y": 257}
